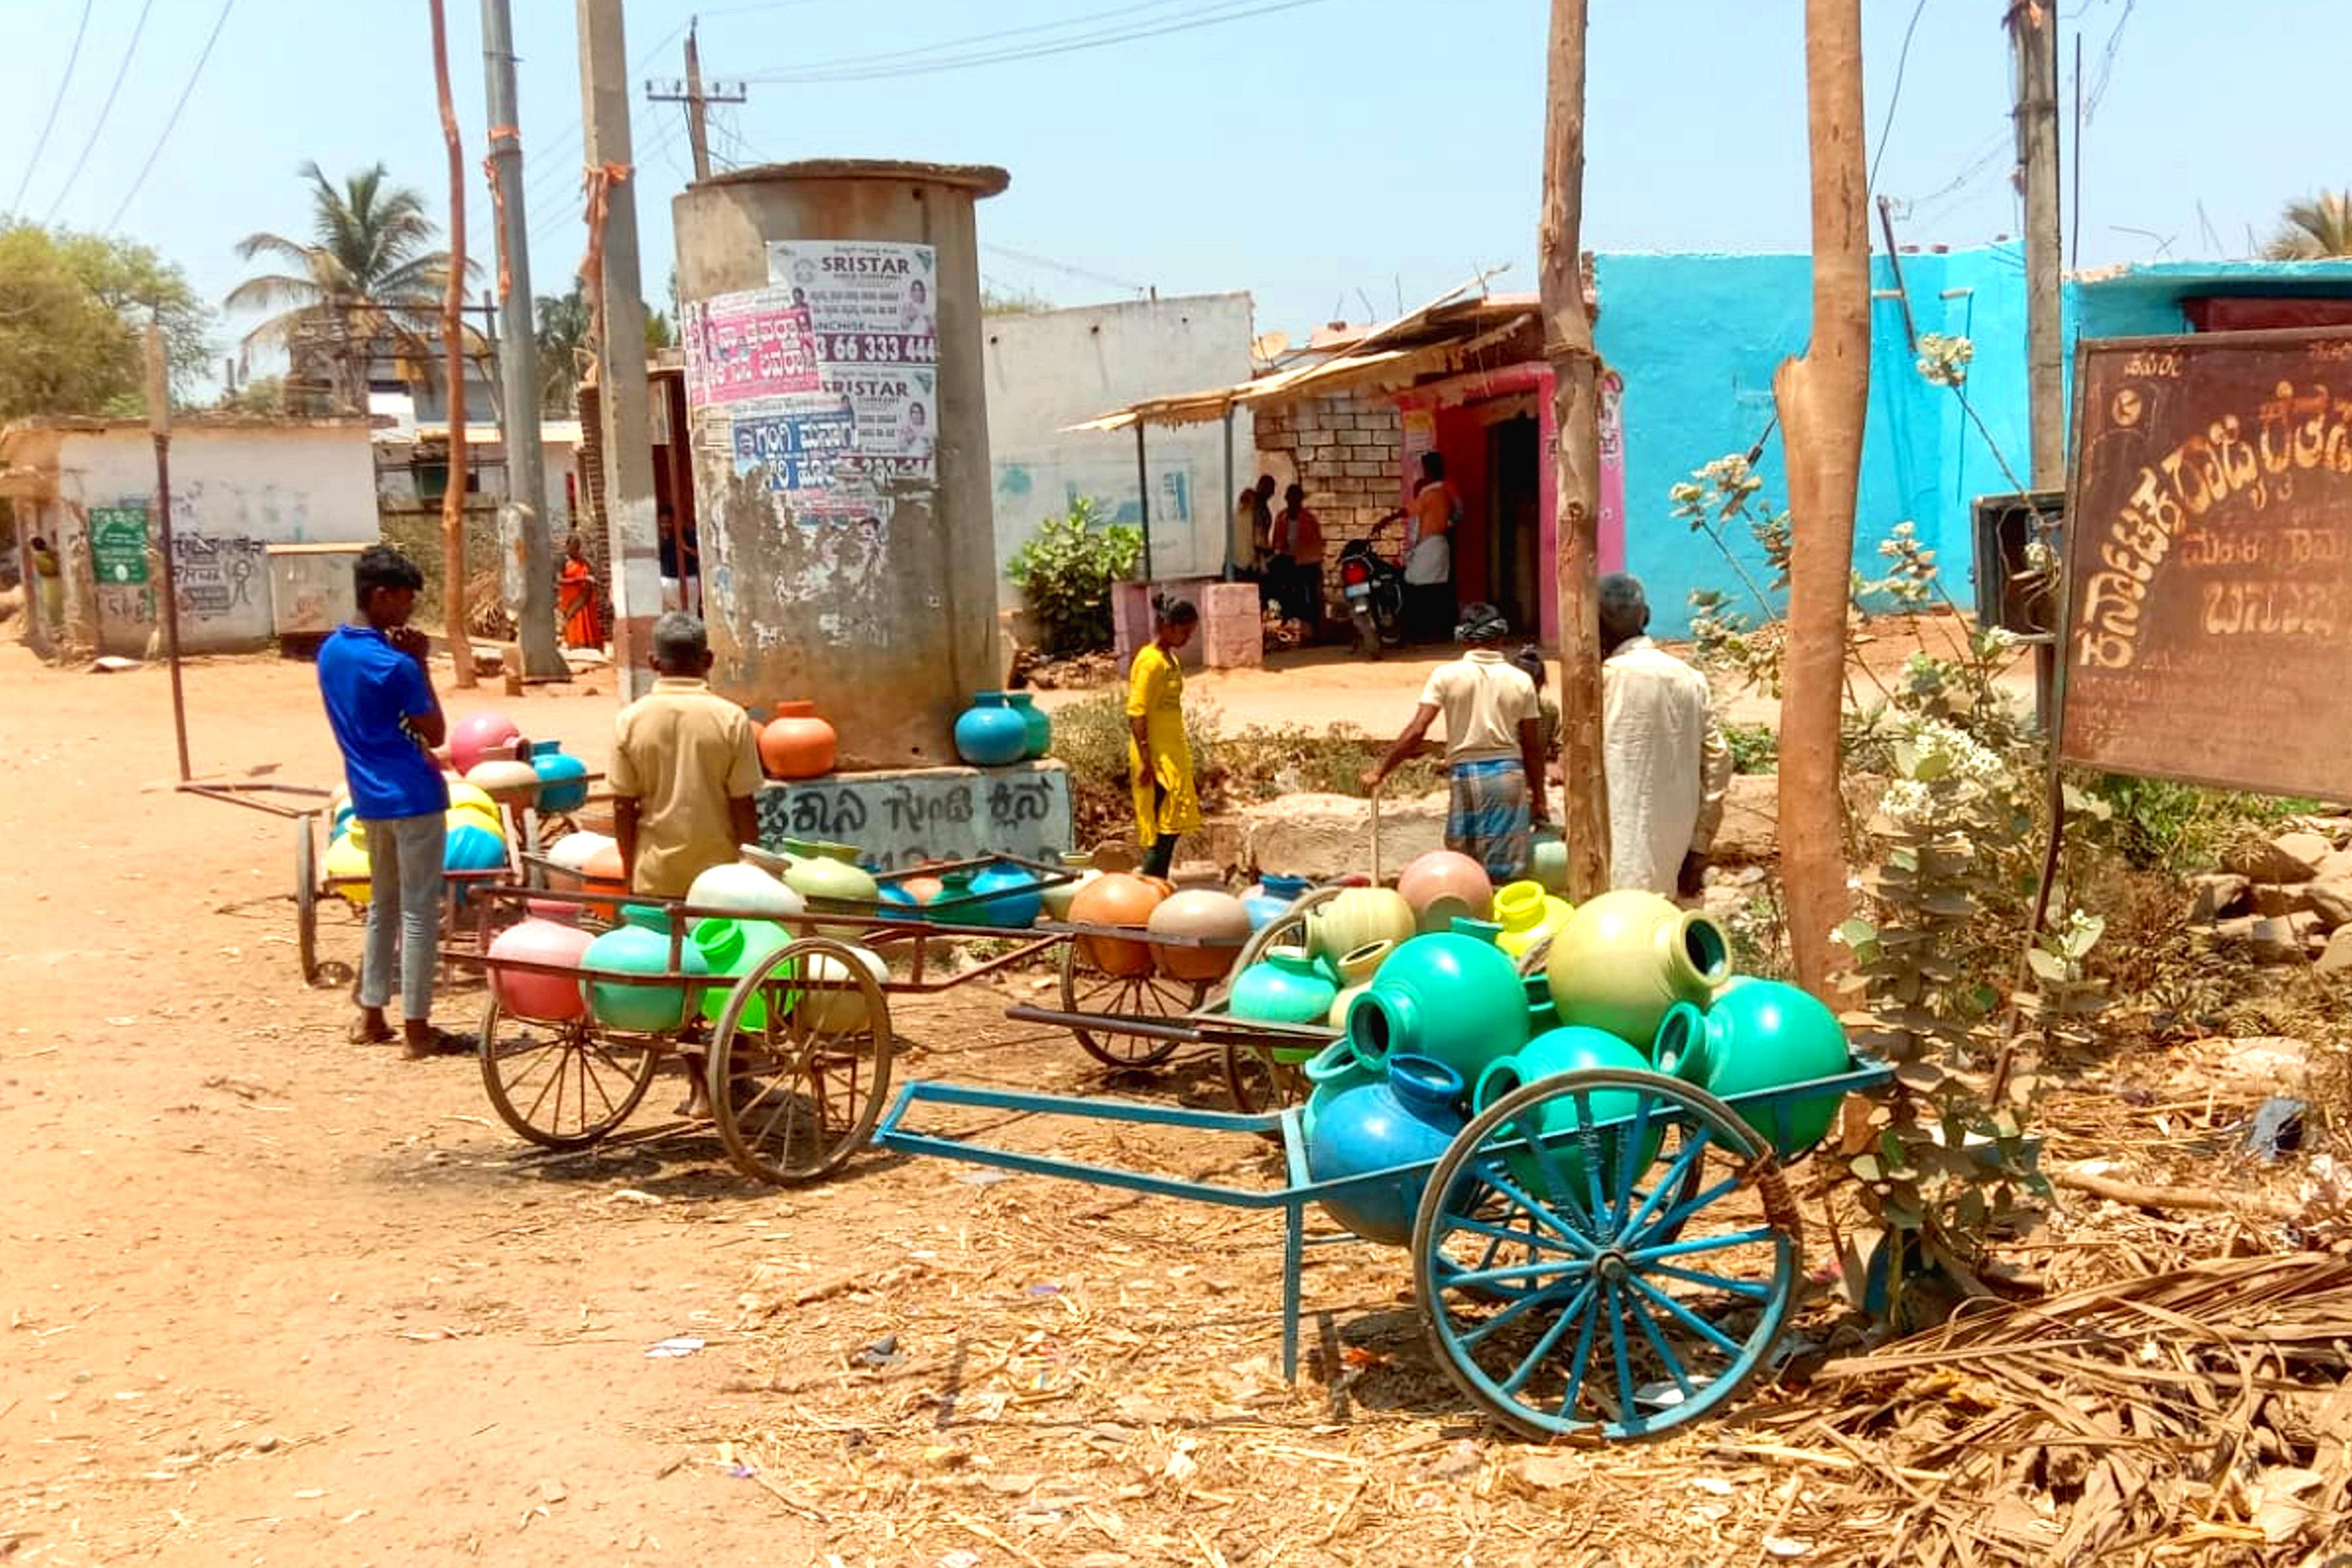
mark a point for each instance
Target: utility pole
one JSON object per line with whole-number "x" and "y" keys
{"x": 1823, "y": 399}
{"x": 698, "y": 102}
{"x": 1576, "y": 422}
{"x": 619, "y": 325}
{"x": 2033, "y": 40}
{"x": 530, "y": 567}
{"x": 159, "y": 425}
{"x": 453, "y": 331}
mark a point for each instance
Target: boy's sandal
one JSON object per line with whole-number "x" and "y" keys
{"x": 360, "y": 1034}
{"x": 441, "y": 1043}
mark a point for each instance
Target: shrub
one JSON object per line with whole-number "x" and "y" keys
{"x": 1755, "y": 748}
{"x": 1066, "y": 570}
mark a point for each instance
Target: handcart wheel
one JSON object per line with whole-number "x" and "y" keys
{"x": 1258, "y": 1083}
{"x": 1571, "y": 1280}
{"x": 561, "y": 1085}
{"x": 1142, "y": 996}
{"x": 306, "y": 899}
{"x": 798, "y": 1074}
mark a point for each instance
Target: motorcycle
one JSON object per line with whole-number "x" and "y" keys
{"x": 1373, "y": 586}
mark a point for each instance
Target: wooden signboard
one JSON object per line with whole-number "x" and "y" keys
{"x": 2209, "y": 610}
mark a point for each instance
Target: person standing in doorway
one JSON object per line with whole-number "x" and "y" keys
{"x": 1494, "y": 739}
{"x": 48, "y": 587}
{"x": 1436, "y": 510}
{"x": 1666, "y": 761}
{"x": 575, "y": 596}
{"x": 1262, "y": 514}
{"x": 1159, "y": 754}
{"x": 685, "y": 769}
{"x": 386, "y": 719}
{"x": 1296, "y": 551}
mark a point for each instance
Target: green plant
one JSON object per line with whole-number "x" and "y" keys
{"x": 1090, "y": 739}
{"x": 2157, "y": 824}
{"x": 1755, "y": 748}
{"x": 1066, "y": 570}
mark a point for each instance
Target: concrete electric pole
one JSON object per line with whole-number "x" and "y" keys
{"x": 529, "y": 566}
{"x": 1575, "y": 418}
{"x": 453, "y": 331}
{"x": 620, "y": 335}
{"x": 2033, "y": 40}
{"x": 698, "y": 102}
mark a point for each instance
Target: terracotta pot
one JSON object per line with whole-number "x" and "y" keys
{"x": 1443, "y": 885}
{"x": 796, "y": 744}
{"x": 602, "y": 873}
{"x": 1116, "y": 900}
{"x": 1357, "y": 918}
{"x": 1214, "y": 917}
{"x": 1621, "y": 960}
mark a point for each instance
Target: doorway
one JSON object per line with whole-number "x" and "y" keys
{"x": 1514, "y": 521}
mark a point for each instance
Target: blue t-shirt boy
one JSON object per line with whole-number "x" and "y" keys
{"x": 372, "y": 692}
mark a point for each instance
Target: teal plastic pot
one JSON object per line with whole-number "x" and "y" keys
{"x": 1453, "y": 998}
{"x": 563, "y": 780}
{"x": 1407, "y": 1117}
{"x": 989, "y": 734}
{"x": 1759, "y": 1036}
{"x": 1010, "y": 894}
{"x": 1038, "y": 723}
{"x": 1286, "y": 986}
{"x": 634, "y": 1008}
{"x": 1559, "y": 1174}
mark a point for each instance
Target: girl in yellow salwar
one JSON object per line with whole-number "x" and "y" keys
{"x": 1159, "y": 758}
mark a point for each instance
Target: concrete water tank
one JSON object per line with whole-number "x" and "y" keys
{"x": 832, "y": 326}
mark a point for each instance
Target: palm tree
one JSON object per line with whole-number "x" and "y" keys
{"x": 562, "y": 351}
{"x": 369, "y": 284}
{"x": 2310, "y": 230}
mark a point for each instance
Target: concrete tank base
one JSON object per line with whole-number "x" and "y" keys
{"x": 903, "y": 817}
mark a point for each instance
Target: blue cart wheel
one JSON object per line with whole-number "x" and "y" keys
{"x": 801, "y": 1063}
{"x": 1605, "y": 1254}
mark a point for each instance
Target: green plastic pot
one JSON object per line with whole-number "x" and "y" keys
{"x": 1453, "y": 998}
{"x": 1559, "y": 1174}
{"x": 1287, "y": 986}
{"x": 1759, "y": 1036}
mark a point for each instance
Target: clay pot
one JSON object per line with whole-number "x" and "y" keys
{"x": 602, "y": 873}
{"x": 554, "y": 997}
{"x": 1116, "y": 900}
{"x": 1527, "y": 914}
{"x": 740, "y": 889}
{"x": 506, "y": 780}
{"x": 1357, "y": 917}
{"x": 1217, "y": 918}
{"x": 1621, "y": 960}
{"x": 1357, "y": 971}
{"x": 1406, "y": 1118}
{"x": 477, "y": 737}
{"x": 1757, "y": 1036}
{"x": 989, "y": 734}
{"x": 1444, "y": 884}
{"x": 1039, "y": 722}
{"x": 796, "y": 744}
{"x": 1450, "y": 998}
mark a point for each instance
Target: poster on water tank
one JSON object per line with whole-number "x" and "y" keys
{"x": 741, "y": 347}
{"x": 869, "y": 302}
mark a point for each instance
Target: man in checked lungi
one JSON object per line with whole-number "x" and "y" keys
{"x": 1492, "y": 747}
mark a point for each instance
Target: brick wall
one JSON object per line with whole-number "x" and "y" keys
{"x": 1348, "y": 451}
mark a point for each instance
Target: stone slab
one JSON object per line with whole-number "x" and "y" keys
{"x": 901, "y": 817}
{"x": 1233, "y": 634}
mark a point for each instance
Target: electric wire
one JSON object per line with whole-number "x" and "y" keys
{"x": 121, "y": 71}
{"x": 1895, "y": 98}
{"x": 169, "y": 125}
{"x": 824, "y": 72}
{"x": 56, "y": 103}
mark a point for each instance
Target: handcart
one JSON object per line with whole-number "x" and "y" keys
{"x": 1607, "y": 1254}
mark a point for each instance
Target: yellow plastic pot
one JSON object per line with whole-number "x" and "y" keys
{"x": 1527, "y": 914}
{"x": 1618, "y": 962}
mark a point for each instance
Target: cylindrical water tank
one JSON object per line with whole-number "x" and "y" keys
{"x": 832, "y": 326}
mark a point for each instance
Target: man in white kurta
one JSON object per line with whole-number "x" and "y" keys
{"x": 1667, "y": 763}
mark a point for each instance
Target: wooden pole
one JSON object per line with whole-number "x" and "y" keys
{"x": 159, "y": 423}
{"x": 1823, "y": 399}
{"x": 2033, "y": 35}
{"x": 453, "y": 333}
{"x": 1575, "y": 418}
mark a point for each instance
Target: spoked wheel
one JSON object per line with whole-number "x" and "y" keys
{"x": 1572, "y": 1281}
{"x": 801, "y": 1062}
{"x": 1088, "y": 990}
{"x": 1259, "y": 1083}
{"x": 561, "y": 1085}
{"x": 306, "y": 898}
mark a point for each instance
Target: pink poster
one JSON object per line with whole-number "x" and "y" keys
{"x": 755, "y": 345}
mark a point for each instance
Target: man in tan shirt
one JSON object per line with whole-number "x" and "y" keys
{"x": 1494, "y": 740}
{"x": 686, "y": 766}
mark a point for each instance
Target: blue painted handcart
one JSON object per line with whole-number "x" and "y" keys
{"x": 1608, "y": 1254}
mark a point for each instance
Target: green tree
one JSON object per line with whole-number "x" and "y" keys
{"x": 562, "y": 330}
{"x": 2314, "y": 228}
{"x": 73, "y": 314}
{"x": 368, "y": 284}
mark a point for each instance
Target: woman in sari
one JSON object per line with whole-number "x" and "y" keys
{"x": 575, "y": 596}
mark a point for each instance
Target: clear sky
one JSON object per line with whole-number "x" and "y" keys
{"x": 1329, "y": 156}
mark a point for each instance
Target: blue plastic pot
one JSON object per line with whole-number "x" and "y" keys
{"x": 1757, "y": 1035}
{"x": 1272, "y": 898}
{"x": 1406, "y": 1118}
{"x": 989, "y": 734}
{"x": 1448, "y": 997}
{"x": 563, "y": 780}
{"x": 1010, "y": 896}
